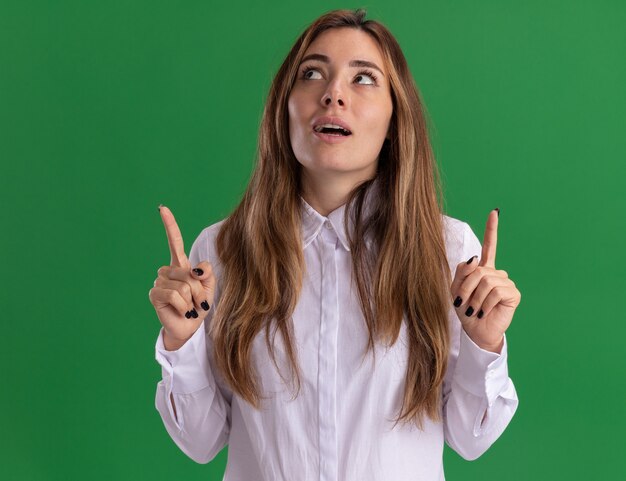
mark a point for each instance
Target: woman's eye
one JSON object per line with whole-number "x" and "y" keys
{"x": 370, "y": 79}
{"x": 311, "y": 74}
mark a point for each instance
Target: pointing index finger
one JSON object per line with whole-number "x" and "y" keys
{"x": 174, "y": 238}
{"x": 488, "y": 257}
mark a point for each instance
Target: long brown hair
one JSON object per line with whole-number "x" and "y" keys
{"x": 406, "y": 276}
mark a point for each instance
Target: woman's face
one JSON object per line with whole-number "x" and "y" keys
{"x": 341, "y": 81}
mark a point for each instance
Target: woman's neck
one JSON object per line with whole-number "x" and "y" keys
{"x": 327, "y": 193}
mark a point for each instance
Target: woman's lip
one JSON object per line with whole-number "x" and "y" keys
{"x": 332, "y": 139}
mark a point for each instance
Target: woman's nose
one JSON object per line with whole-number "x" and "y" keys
{"x": 329, "y": 98}
{"x": 334, "y": 95}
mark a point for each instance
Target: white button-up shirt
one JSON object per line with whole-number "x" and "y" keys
{"x": 339, "y": 427}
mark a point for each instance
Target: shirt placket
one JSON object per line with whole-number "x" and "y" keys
{"x": 327, "y": 380}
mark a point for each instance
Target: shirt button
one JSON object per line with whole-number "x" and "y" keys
{"x": 328, "y": 225}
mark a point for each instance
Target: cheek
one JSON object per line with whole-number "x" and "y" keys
{"x": 296, "y": 104}
{"x": 295, "y": 116}
{"x": 291, "y": 113}
{"x": 386, "y": 115}
{"x": 297, "y": 124}
{"x": 377, "y": 119}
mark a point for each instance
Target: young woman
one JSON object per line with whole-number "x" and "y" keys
{"x": 337, "y": 325}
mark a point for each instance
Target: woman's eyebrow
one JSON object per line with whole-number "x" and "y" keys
{"x": 353, "y": 63}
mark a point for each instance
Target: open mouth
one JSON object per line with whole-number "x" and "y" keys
{"x": 332, "y": 130}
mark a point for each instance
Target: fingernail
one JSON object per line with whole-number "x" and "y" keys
{"x": 194, "y": 313}
{"x": 480, "y": 314}
{"x": 205, "y": 305}
{"x": 198, "y": 271}
{"x": 458, "y": 301}
{"x": 188, "y": 314}
{"x": 471, "y": 259}
{"x": 469, "y": 311}
{"x": 160, "y": 205}
{"x": 498, "y": 211}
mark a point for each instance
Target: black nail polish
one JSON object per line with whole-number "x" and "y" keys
{"x": 188, "y": 314}
{"x": 194, "y": 313}
{"x": 498, "y": 211}
{"x": 205, "y": 305}
{"x": 469, "y": 311}
{"x": 198, "y": 271}
{"x": 480, "y": 314}
{"x": 458, "y": 301}
{"x": 471, "y": 259}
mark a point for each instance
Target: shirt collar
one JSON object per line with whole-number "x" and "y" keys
{"x": 313, "y": 221}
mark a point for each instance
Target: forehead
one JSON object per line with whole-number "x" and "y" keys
{"x": 346, "y": 43}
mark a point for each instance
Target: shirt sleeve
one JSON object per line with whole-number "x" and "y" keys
{"x": 479, "y": 398}
{"x": 200, "y": 424}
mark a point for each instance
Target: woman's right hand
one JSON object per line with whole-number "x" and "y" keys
{"x": 180, "y": 296}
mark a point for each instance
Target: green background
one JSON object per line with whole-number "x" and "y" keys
{"x": 109, "y": 108}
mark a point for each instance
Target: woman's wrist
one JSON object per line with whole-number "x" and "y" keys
{"x": 495, "y": 348}
{"x": 172, "y": 344}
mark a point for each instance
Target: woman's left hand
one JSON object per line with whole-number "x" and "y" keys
{"x": 485, "y": 298}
